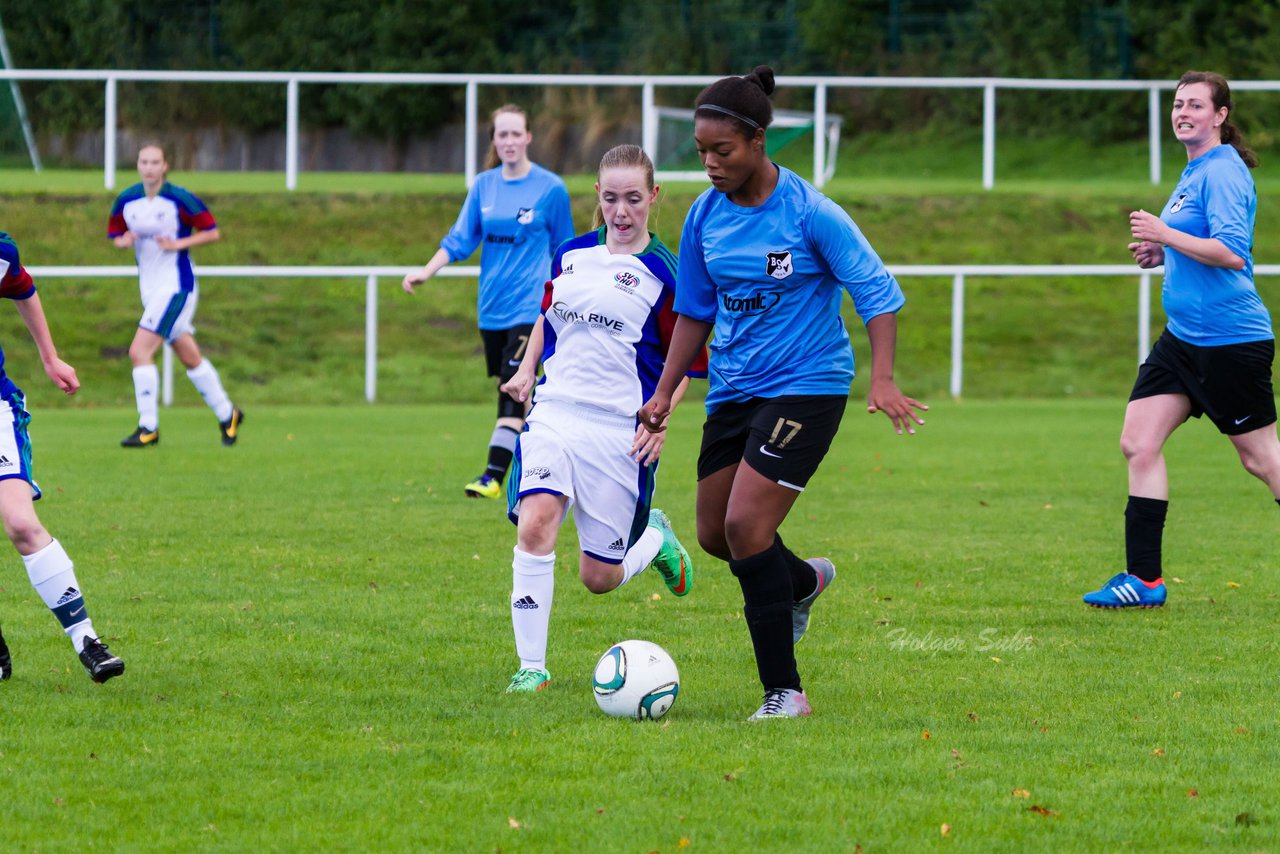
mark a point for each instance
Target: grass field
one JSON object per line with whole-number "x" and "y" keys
{"x": 317, "y": 636}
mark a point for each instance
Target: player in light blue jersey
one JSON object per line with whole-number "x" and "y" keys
{"x": 50, "y": 569}
{"x": 602, "y": 338}
{"x": 764, "y": 262}
{"x": 1215, "y": 355}
{"x": 520, "y": 213}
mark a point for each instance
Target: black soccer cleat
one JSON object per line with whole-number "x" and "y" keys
{"x": 141, "y": 438}
{"x": 98, "y": 661}
{"x": 6, "y": 663}
{"x": 231, "y": 427}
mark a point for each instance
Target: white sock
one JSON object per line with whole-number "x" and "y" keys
{"x": 641, "y": 554}
{"x": 146, "y": 391}
{"x": 206, "y": 380}
{"x": 532, "y": 584}
{"x": 53, "y": 576}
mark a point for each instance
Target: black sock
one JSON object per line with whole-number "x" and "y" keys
{"x": 766, "y": 594}
{"x": 1143, "y": 533}
{"x": 804, "y": 578}
{"x": 501, "y": 449}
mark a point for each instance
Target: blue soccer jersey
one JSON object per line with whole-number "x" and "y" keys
{"x": 15, "y": 283}
{"x": 770, "y": 278}
{"x": 521, "y": 223}
{"x": 1210, "y": 306}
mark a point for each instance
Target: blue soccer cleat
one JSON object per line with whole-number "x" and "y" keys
{"x": 1127, "y": 591}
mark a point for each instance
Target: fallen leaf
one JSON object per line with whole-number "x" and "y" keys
{"x": 1241, "y": 731}
{"x": 955, "y": 754}
{"x": 997, "y": 660}
{"x": 945, "y": 830}
{"x": 683, "y": 843}
{"x": 1177, "y": 695}
{"x": 1020, "y": 793}
{"x": 512, "y": 823}
{"x": 1245, "y": 819}
{"x": 1159, "y": 751}
{"x": 656, "y": 597}
{"x": 1192, "y": 793}
{"x": 1039, "y": 810}
{"x": 919, "y": 584}
{"x": 599, "y": 810}
{"x": 973, "y": 717}
{"x": 1177, "y": 580}
{"x": 1048, "y": 507}
{"x": 857, "y": 849}
{"x": 1233, "y": 584}
{"x": 925, "y": 736}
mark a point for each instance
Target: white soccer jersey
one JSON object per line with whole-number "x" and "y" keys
{"x": 608, "y": 321}
{"x": 174, "y": 212}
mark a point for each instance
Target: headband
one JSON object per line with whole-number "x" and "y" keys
{"x": 739, "y": 116}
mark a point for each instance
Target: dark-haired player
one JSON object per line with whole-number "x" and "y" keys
{"x": 764, "y": 259}
{"x": 48, "y": 566}
{"x": 1214, "y": 357}
{"x": 520, "y": 212}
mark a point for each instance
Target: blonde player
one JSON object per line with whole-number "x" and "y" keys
{"x": 602, "y": 339}
{"x": 161, "y": 222}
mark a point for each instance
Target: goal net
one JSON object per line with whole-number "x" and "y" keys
{"x": 677, "y": 158}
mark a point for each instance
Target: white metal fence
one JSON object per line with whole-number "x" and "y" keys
{"x": 820, "y": 86}
{"x": 957, "y": 273}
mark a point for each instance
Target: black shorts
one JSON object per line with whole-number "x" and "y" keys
{"x": 1230, "y": 383}
{"x": 504, "y": 348}
{"x": 783, "y": 438}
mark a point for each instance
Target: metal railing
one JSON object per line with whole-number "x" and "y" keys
{"x": 958, "y": 273}
{"x": 820, "y": 86}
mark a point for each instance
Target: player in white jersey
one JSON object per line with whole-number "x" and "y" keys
{"x": 602, "y": 338}
{"x": 161, "y": 222}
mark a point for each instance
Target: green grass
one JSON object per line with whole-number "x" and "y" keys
{"x": 317, "y": 637}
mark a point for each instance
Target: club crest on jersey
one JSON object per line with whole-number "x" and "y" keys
{"x": 779, "y": 264}
{"x": 524, "y": 216}
{"x": 627, "y": 281}
{"x": 1177, "y": 206}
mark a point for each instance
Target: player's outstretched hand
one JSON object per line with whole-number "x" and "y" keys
{"x": 887, "y": 398}
{"x": 1147, "y": 254}
{"x": 654, "y": 414}
{"x": 647, "y": 445}
{"x": 124, "y": 241}
{"x": 519, "y": 386}
{"x": 63, "y": 375}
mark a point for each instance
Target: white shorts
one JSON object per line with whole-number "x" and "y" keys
{"x": 15, "y": 445}
{"x": 584, "y": 455}
{"x": 169, "y": 313}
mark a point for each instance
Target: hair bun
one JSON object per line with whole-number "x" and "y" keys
{"x": 762, "y": 76}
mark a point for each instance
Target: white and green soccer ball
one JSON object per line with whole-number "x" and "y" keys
{"x": 635, "y": 679}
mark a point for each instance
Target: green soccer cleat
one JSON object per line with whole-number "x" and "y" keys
{"x": 484, "y": 486}
{"x": 529, "y": 680}
{"x": 672, "y": 561}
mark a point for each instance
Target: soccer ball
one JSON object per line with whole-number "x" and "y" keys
{"x": 635, "y": 679}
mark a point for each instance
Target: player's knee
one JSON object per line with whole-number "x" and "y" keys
{"x": 26, "y": 533}
{"x": 711, "y": 538}
{"x": 744, "y": 536}
{"x": 598, "y": 577}
{"x": 1137, "y": 448}
{"x": 1262, "y": 466}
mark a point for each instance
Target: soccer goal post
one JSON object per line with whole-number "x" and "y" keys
{"x": 15, "y": 127}
{"x": 677, "y": 158}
